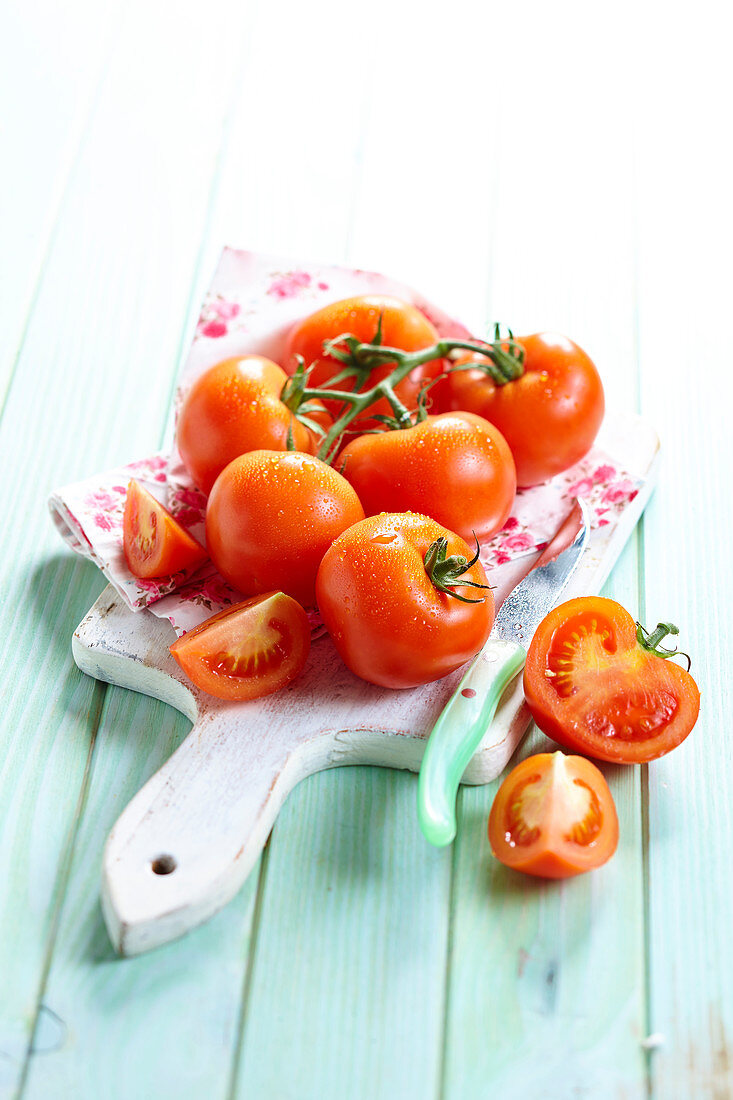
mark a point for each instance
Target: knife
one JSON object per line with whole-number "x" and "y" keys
{"x": 469, "y": 712}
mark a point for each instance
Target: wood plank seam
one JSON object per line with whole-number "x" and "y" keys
{"x": 97, "y": 709}
{"x": 236, "y": 1056}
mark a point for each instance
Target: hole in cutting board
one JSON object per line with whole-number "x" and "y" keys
{"x": 163, "y": 865}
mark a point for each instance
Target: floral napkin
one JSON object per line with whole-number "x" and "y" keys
{"x": 252, "y": 302}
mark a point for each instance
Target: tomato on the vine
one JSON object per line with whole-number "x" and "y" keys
{"x": 251, "y": 649}
{"x": 596, "y": 683}
{"x": 402, "y": 601}
{"x": 456, "y": 468}
{"x": 235, "y": 407}
{"x": 270, "y": 518}
{"x": 553, "y": 816}
{"x": 549, "y": 416}
{"x": 154, "y": 543}
{"x": 403, "y": 326}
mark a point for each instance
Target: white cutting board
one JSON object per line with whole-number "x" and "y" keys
{"x": 204, "y": 817}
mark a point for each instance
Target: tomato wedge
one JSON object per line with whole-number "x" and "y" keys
{"x": 597, "y": 684}
{"x": 553, "y": 816}
{"x": 155, "y": 544}
{"x": 251, "y": 649}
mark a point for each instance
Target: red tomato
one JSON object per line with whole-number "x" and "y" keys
{"x": 403, "y": 327}
{"x": 456, "y": 468}
{"x": 549, "y": 417}
{"x": 155, "y": 544}
{"x": 251, "y": 649}
{"x": 593, "y": 688}
{"x": 232, "y": 408}
{"x": 271, "y": 517}
{"x": 388, "y": 620}
{"x": 553, "y": 816}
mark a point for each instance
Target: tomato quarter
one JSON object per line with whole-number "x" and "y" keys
{"x": 553, "y": 816}
{"x": 455, "y": 467}
{"x": 251, "y": 649}
{"x": 403, "y": 326}
{"x": 390, "y": 619}
{"x": 235, "y": 407}
{"x": 271, "y": 517}
{"x": 550, "y": 416}
{"x": 155, "y": 545}
{"x": 594, "y": 686}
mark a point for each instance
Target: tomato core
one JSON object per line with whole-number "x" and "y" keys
{"x": 259, "y": 652}
{"x": 553, "y": 816}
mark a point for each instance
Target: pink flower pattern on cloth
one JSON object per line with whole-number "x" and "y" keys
{"x": 251, "y": 304}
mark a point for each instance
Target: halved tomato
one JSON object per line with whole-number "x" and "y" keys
{"x": 597, "y": 683}
{"x": 251, "y": 649}
{"x": 155, "y": 544}
{"x": 553, "y": 816}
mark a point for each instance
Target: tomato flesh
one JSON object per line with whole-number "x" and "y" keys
{"x": 553, "y": 816}
{"x": 593, "y": 688}
{"x": 155, "y": 545}
{"x": 249, "y": 650}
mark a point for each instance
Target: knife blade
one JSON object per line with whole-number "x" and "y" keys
{"x": 470, "y": 710}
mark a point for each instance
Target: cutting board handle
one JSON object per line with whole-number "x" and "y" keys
{"x": 185, "y": 844}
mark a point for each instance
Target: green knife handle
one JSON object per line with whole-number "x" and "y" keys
{"x": 457, "y": 734}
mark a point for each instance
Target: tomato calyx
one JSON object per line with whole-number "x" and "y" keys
{"x": 302, "y": 407}
{"x": 446, "y": 572}
{"x": 651, "y": 642}
{"x": 503, "y": 359}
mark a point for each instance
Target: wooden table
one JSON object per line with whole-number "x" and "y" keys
{"x": 550, "y": 166}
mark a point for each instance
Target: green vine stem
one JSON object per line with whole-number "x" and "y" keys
{"x": 651, "y": 641}
{"x": 447, "y": 572}
{"x": 503, "y": 362}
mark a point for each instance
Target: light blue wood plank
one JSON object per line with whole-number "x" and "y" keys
{"x": 51, "y": 60}
{"x": 50, "y": 717}
{"x": 91, "y": 389}
{"x": 546, "y": 990}
{"x": 154, "y": 1026}
{"x": 346, "y": 998}
{"x": 546, "y": 994}
{"x": 688, "y": 581}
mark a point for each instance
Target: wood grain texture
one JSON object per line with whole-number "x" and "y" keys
{"x": 48, "y": 84}
{"x": 484, "y": 156}
{"x": 546, "y": 981}
{"x": 104, "y": 336}
{"x": 684, "y": 295}
{"x": 164, "y": 1028}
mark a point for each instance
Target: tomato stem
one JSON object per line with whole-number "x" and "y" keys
{"x": 651, "y": 641}
{"x": 503, "y": 360}
{"x": 445, "y": 572}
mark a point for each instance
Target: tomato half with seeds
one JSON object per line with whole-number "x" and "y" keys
{"x": 251, "y": 649}
{"x": 549, "y": 416}
{"x": 403, "y": 327}
{"x": 553, "y": 816}
{"x": 155, "y": 544}
{"x": 597, "y": 683}
{"x": 235, "y": 407}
